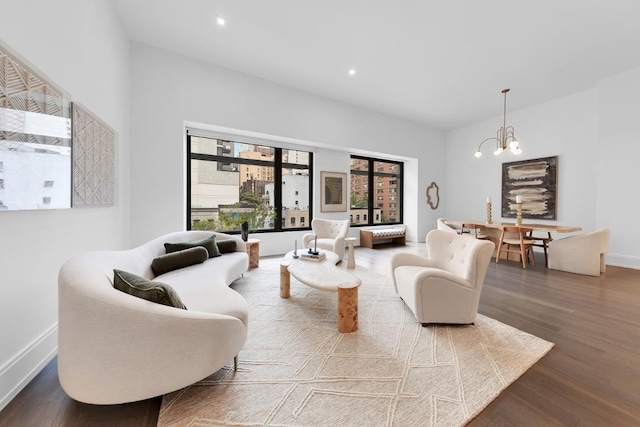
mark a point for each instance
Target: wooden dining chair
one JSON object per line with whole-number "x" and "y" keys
{"x": 516, "y": 236}
{"x": 541, "y": 242}
{"x": 477, "y": 230}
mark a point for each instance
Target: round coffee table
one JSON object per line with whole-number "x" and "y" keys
{"x": 325, "y": 276}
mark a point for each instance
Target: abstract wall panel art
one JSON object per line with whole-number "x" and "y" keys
{"x": 93, "y": 159}
{"x": 536, "y": 182}
{"x": 35, "y": 139}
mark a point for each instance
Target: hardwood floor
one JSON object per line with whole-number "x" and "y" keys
{"x": 43, "y": 403}
{"x": 590, "y": 378}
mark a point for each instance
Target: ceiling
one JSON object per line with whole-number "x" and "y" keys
{"x": 440, "y": 63}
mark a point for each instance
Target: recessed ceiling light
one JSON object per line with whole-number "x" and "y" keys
{"x": 352, "y": 71}
{"x": 221, "y": 21}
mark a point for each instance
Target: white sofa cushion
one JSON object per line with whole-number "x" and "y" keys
{"x": 388, "y": 232}
{"x": 207, "y": 295}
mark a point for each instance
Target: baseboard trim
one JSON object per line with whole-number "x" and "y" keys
{"x": 19, "y": 371}
{"x": 623, "y": 261}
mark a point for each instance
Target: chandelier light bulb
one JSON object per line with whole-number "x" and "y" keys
{"x": 516, "y": 151}
{"x": 513, "y": 144}
{"x": 478, "y": 154}
{"x": 498, "y": 151}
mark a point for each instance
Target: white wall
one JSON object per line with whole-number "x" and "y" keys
{"x": 169, "y": 90}
{"x": 79, "y": 46}
{"x": 596, "y": 139}
{"x": 618, "y": 152}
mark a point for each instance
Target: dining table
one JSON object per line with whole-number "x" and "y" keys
{"x": 493, "y": 230}
{"x": 545, "y": 228}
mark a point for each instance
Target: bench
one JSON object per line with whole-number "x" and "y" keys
{"x": 374, "y": 236}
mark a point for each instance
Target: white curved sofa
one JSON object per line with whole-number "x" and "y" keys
{"x": 115, "y": 348}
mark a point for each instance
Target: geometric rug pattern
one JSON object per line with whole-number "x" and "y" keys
{"x": 296, "y": 369}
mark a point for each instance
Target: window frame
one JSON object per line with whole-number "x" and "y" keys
{"x": 372, "y": 194}
{"x": 277, "y": 164}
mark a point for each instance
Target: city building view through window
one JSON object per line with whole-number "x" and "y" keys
{"x": 235, "y": 182}
{"x": 376, "y": 191}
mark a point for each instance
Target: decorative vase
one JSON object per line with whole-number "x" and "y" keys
{"x": 244, "y": 231}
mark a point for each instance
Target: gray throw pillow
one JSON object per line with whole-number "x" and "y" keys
{"x": 140, "y": 287}
{"x": 226, "y": 246}
{"x": 209, "y": 244}
{"x": 175, "y": 260}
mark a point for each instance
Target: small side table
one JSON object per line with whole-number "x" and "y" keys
{"x": 253, "y": 249}
{"x": 351, "y": 263}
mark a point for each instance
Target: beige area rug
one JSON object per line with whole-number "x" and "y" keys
{"x": 296, "y": 369}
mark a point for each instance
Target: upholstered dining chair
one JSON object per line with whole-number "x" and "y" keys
{"x": 443, "y": 226}
{"x": 445, "y": 286}
{"x": 476, "y": 230}
{"x": 581, "y": 254}
{"x": 514, "y": 240}
{"x": 330, "y": 233}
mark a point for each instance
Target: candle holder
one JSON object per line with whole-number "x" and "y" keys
{"x": 519, "y": 214}
{"x": 489, "y": 213}
{"x": 314, "y": 251}
{"x": 295, "y": 251}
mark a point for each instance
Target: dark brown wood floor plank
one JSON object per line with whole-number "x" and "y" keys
{"x": 590, "y": 378}
{"x": 518, "y": 407}
{"x": 43, "y": 403}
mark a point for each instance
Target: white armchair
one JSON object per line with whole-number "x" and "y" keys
{"x": 444, "y": 287}
{"x": 581, "y": 254}
{"x": 331, "y": 235}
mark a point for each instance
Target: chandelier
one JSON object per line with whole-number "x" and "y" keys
{"x": 506, "y": 135}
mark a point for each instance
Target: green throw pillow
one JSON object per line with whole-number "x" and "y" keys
{"x": 209, "y": 244}
{"x": 175, "y": 260}
{"x": 140, "y": 287}
{"x": 226, "y": 246}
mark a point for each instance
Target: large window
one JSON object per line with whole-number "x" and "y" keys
{"x": 230, "y": 182}
{"x": 376, "y": 191}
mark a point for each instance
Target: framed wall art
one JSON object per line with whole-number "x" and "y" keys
{"x": 536, "y": 181}
{"x": 35, "y": 139}
{"x": 333, "y": 191}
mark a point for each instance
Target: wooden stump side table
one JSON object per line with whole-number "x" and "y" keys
{"x": 348, "y": 307}
{"x": 253, "y": 249}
